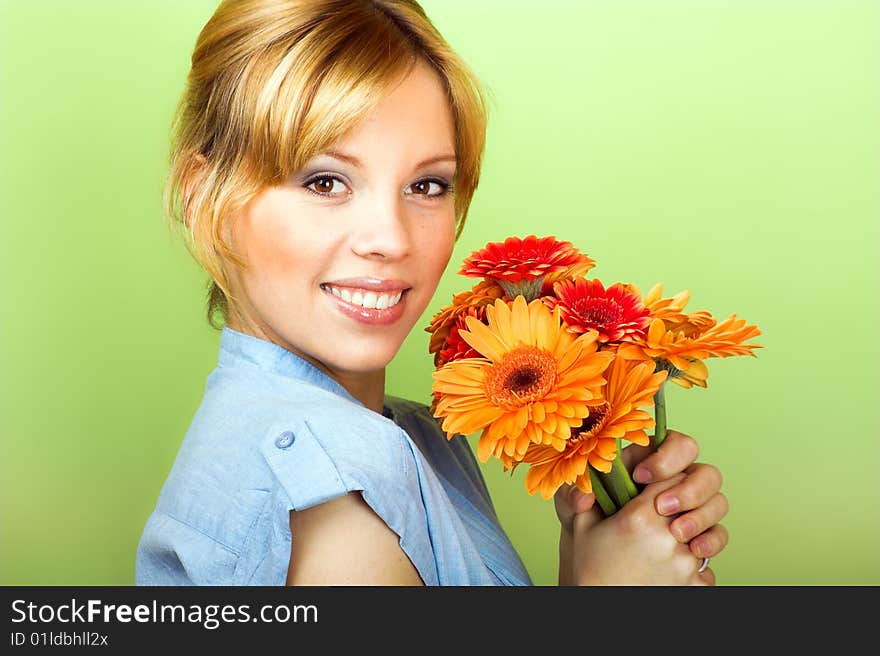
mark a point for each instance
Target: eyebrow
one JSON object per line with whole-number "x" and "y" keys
{"x": 354, "y": 161}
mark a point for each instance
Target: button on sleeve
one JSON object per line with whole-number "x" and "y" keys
{"x": 302, "y": 467}
{"x": 284, "y": 440}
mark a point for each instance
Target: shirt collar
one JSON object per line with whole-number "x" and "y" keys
{"x": 237, "y": 348}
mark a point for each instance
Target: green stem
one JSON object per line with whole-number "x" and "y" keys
{"x": 600, "y": 493}
{"x": 659, "y": 416}
{"x": 616, "y": 489}
{"x": 618, "y": 481}
{"x": 619, "y": 471}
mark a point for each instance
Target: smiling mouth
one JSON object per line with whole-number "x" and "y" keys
{"x": 365, "y": 298}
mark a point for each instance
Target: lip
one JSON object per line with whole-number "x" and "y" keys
{"x": 369, "y": 316}
{"x": 371, "y": 284}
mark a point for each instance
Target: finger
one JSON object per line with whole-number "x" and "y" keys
{"x": 707, "y": 576}
{"x": 709, "y": 543}
{"x": 571, "y": 500}
{"x": 633, "y": 454}
{"x": 690, "y": 524}
{"x": 650, "y": 493}
{"x": 677, "y": 452}
{"x": 563, "y": 494}
{"x": 701, "y": 484}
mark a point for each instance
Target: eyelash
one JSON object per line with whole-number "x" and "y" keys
{"x": 446, "y": 187}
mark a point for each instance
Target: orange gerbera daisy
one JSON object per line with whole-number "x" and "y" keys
{"x": 679, "y": 341}
{"x": 680, "y": 348}
{"x": 534, "y": 382}
{"x": 696, "y": 373}
{"x": 671, "y": 310}
{"x": 616, "y": 313}
{"x": 691, "y": 324}
{"x": 664, "y": 308}
{"x": 483, "y": 293}
{"x": 631, "y": 385}
{"x": 681, "y": 351}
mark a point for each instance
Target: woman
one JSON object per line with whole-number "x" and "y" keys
{"x": 326, "y": 155}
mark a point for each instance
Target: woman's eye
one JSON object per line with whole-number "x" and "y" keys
{"x": 429, "y": 188}
{"x": 326, "y": 185}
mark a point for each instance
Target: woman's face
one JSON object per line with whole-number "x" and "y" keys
{"x": 344, "y": 257}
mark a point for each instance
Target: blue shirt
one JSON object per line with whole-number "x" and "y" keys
{"x": 273, "y": 434}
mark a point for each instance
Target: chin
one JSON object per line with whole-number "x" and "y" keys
{"x": 367, "y": 362}
{"x": 361, "y": 358}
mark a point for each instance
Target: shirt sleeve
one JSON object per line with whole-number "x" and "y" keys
{"x": 301, "y": 465}
{"x": 322, "y": 456}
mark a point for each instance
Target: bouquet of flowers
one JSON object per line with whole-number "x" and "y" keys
{"x": 556, "y": 369}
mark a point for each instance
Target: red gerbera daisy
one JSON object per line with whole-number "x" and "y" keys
{"x": 520, "y": 265}
{"x": 455, "y": 348}
{"x": 484, "y": 293}
{"x": 617, "y": 313}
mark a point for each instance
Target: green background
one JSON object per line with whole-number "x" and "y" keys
{"x": 731, "y": 148}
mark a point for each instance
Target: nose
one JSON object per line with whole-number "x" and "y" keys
{"x": 383, "y": 233}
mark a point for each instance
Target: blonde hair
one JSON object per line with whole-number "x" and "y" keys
{"x": 275, "y": 82}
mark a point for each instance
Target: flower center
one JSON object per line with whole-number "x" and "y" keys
{"x": 592, "y": 424}
{"x": 524, "y": 375}
{"x": 600, "y": 311}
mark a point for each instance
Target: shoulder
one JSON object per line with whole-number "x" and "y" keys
{"x": 264, "y": 405}
{"x": 320, "y": 453}
{"x": 259, "y": 447}
{"x": 256, "y": 430}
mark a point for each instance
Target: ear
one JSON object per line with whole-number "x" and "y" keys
{"x": 192, "y": 176}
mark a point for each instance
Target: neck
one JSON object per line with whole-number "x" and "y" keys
{"x": 368, "y": 388}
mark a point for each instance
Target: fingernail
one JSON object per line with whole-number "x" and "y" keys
{"x": 642, "y": 475}
{"x": 667, "y": 505}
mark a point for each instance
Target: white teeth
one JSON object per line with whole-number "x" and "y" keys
{"x": 367, "y": 299}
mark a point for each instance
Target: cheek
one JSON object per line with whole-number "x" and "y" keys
{"x": 270, "y": 247}
{"x": 268, "y": 236}
{"x": 279, "y": 251}
{"x": 437, "y": 245}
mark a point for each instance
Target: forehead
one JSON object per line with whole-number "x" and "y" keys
{"x": 414, "y": 114}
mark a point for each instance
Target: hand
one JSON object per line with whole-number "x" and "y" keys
{"x": 700, "y": 504}
{"x": 696, "y": 503}
{"x": 633, "y": 547}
